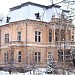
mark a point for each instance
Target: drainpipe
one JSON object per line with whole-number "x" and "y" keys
{"x": 26, "y": 45}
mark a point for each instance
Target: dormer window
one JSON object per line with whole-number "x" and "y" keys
{"x": 7, "y": 20}
{"x": 0, "y": 20}
{"x": 37, "y": 15}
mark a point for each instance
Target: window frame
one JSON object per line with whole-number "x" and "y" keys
{"x": 37, "y": 57}
{"x": 6, "y": 56}
{"x": 19, "y": 36}
{"x": 7, "y": 38}
{"x": 37, "y": 36}
{"x": 19, "y": 56}
{"x": 50, "y": 36}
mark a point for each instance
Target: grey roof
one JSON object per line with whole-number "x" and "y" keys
{"x": 27, "y": 11}
{"x": 35, "y": 4}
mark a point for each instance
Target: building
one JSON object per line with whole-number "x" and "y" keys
{"x": 28, "y": 36}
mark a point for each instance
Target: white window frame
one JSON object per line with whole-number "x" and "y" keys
{"x": 37, "y": 36}
{"x": 37, "y": 55}
{"x": 19, "y": 36}
{"x": 6, "y": 38}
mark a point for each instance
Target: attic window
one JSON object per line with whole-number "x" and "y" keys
{"x": 0, "y": 20}
{"x": 7, "y": 20}
{"x": 37, "y": 15}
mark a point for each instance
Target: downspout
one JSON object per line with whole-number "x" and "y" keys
{"x": 26, "y": 45}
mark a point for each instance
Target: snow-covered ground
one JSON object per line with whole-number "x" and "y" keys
{"x": 39, "y": 71}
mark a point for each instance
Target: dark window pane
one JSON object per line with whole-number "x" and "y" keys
{"x": 50, "y": 36}
{"x": 19, "y": 53}
{"x": 35, "y": 38}
{"x": 35, "y": 53}
{"x": 39, "y": 38}
{"x": 39, "y": 33}
{"x": 35, "y": 58}
{"x": 19, "y": 56}
{"x": 39, "y": 58}
{"x": 38, "y": 53}
{"x": 36, "y": 33}
{"x": 56, "y": 38}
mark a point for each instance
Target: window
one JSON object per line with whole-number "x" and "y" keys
{"x": 50, "y": 36}
{"x": 8, "y": 18}
{"x": 6, "y": 38}
{"x": 62, "y": 35}
{"x": 37, "y": 15}
{"x": 37, "y": 36}
{"x": 19, "y": 36}
{"x": 72, "y": 38}
{"x": 66, "y": 55}
{"x": 37, "y": 57}
{"x": 5, "y": 58}
{"x": 19, "y": 56}
{"x": 69, "y": 35}
{"x": 50, "y": 59}
{"x": 56, "y": 36}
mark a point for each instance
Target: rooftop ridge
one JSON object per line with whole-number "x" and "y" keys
{"x": 35, "y": 4}
{"x": 25, "y": 4}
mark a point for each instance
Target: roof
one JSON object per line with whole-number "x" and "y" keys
{"x": 25, "y": 11}
{"x": 25, "y": 4}
{"x": 54, "y": 5}
{"x": 35, "y": 4}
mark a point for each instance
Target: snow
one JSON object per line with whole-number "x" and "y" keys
{"x": 17, "y": 73}
{"x": 27, "y": 12}
{"x": 38, "y": 71}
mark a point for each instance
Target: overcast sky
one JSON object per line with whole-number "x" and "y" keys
{"x": 6, "y": 4}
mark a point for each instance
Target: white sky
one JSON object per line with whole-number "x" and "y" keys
{"x": 6, "y": 4}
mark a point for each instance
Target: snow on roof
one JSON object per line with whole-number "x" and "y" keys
{"x": 28, "y": 10}
{"x": 26, "y": 4}
{"x": 35, "y": 4}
